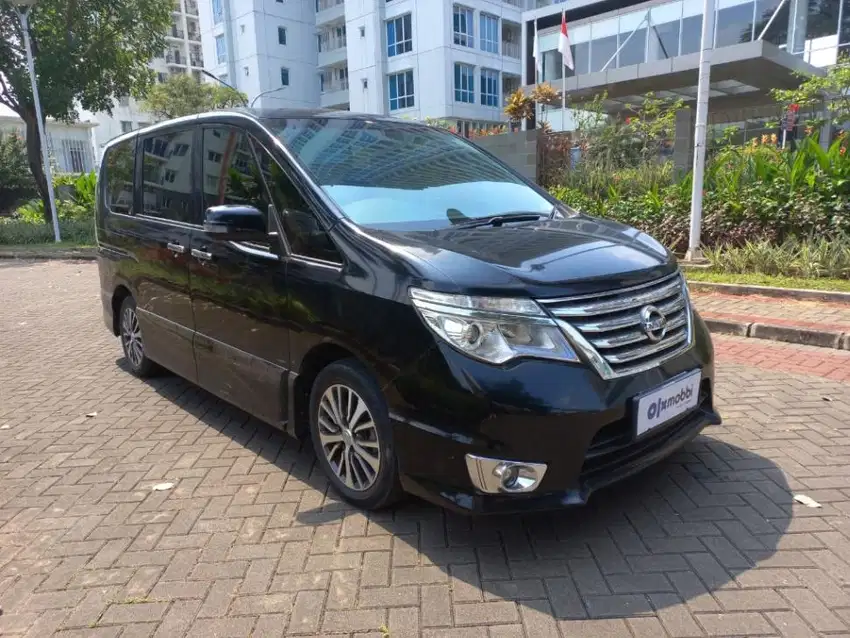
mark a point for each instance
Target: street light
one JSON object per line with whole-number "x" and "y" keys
{"x": 23, "y": 8}
{"x": 259, "y": 95}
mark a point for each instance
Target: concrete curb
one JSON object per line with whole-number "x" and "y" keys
{"x": 766, "y": 291}
{"x": 77, "y": 255}
{"x": 786, "y": 334}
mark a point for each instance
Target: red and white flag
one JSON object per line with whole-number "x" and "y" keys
{"x": 564, "y": 44}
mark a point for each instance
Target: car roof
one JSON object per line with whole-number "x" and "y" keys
{"x": 260, "y": 115}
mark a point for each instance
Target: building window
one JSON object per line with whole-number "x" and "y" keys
{"x": 489, "y": 87}
{"x": 214, "y": 157}
{"x": 284, "y": 76}
{"x": 220, "y": 49}
{"x": 126, "y": 127}
{"x": 217, "y": 11}
{"x": 399, "y": 35}
{"x": 281, "y": 35}
{"x": 464, "y": 83}
{"x": 77, "y": 156}
{"x": 401, "y": 90}
{"x": 463, "y": 26}
{"x": 489, "y": 33}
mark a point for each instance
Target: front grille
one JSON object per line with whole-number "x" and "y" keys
{"x": 606, "y": 326}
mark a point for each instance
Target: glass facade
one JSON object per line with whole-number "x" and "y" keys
{"x": 489, "y": 33}
{"x": 401, "y": 90}
{"x": 462, "y": 24}
{"x": 675, "y": 28}
{"x": 464, "y": 83}
{"x": 399, "y": 35}
{"x": 489, "y": 87}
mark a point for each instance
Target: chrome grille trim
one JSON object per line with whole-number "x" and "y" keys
{"x": 602, "y": 327}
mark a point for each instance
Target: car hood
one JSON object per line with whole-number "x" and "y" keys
{"x": 578, "y": 255}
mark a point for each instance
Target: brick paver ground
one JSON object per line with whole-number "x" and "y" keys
{"x": 784, "y": 312}
{"x": 249, "y": 542}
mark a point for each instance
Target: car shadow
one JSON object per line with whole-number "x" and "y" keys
{"x": 695, "y": 523}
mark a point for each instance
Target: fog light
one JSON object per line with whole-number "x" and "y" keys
{"x": 495, "y": 476}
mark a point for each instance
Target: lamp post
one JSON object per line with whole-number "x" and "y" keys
{"x": 259, "y": 95}
{"x": 23, "y": 8}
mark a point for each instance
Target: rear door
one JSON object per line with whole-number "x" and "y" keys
{"x": 239, "y": 291}
{"x": 167, "y": 216}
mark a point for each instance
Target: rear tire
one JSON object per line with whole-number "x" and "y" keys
{"x": 352, "y": 436}
{"x": 130, "y": 333}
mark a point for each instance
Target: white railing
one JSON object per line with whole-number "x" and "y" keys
{"x": 331, "y": 42}
{"x": 321, "y": 5}
{"x": 511, "y": 49}
{"x": 336, "y": 85}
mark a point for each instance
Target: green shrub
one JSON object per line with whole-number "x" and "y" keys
{"x": 67, "y": 209}
{"x": 16, "y": 180}
{"x": 15, "y": 232}
{"x": 807, "y": 258}
{"x": 752, "y": 193}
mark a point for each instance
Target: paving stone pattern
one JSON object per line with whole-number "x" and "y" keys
{"x": 250, "y": 542}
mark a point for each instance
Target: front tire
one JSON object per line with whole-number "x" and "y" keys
{"x": 352, "y": 436}
{"x": 130, "y": 332}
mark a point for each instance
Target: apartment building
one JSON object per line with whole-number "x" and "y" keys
{"x": 419, "y": 59}
{"x": 182, "y": 54}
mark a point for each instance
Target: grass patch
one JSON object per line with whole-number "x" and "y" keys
{"x": 62, "y": 246}
{"x": 774, "y": 281}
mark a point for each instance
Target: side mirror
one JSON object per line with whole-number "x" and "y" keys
{"x": 235, "y": 223}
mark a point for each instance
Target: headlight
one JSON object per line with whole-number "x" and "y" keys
{"x": 493, "y": 329}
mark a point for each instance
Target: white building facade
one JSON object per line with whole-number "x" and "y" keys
{"x": 182, "y": 54}
{"x": 441, "y": 59}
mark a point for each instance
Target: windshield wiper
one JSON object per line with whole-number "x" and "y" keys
{"x": 502, "y": 218}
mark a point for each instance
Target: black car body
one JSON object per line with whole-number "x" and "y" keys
{"x": 433, "y": 321}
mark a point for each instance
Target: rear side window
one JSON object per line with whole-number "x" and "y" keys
{"x": 167, "y": 176}
{"x": 118, "y": 173}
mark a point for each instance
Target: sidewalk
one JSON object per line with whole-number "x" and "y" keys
{"x": 808, "y": 322}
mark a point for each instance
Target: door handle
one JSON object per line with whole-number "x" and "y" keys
{"x": 200, "y": 254}
{"x": 176, "y": 248}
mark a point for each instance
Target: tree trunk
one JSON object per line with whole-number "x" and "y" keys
{"x": 35, "y": 161}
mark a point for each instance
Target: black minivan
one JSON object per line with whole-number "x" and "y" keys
{"x": 435, "y": 323}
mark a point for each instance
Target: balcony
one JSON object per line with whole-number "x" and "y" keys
{"x": 176, "y": 33}
{"x": 334, "y": 95}
{"x": 196, "y": 60}
{"x": 194, "y": 35}
{"x": 177, "y": 8}
{"x": 175, "y": 57}
{"x": 332, "y": 48}
{"x": 191, "y": 8}
{"x": 329, "y": 11}
{"x": 510, "y": 83}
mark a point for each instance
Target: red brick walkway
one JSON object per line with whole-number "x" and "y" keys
{"x": 779, "y": 312}
{"x": 773, "y": 355}
{"x": 250, "y": 542}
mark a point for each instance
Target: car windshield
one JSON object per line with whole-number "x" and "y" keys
{"x": 397, "y": 175}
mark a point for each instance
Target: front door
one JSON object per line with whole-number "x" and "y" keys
{"x": 239, "y": 289}
{"x": 168, "y": 216}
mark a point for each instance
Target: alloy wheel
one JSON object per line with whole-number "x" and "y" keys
{"x": 349, "y": 437}
{"x": 131, "y": 336}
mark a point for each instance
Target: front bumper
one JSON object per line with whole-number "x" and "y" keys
{"x": 563, "y": 415}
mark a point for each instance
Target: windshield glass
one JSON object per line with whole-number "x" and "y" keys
{"x": 395, "y": 175}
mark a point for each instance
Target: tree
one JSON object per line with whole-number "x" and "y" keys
{"x": 183, "y": 95}
{"x": 832, "y": 91}
{"x": 88, "y": 53}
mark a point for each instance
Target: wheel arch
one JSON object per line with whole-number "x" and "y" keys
{"x": 120, "y": 293}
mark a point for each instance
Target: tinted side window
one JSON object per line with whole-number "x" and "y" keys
{"x": 167, "y": 176}
{"x": 231, "y": 175}
{"x": 119, "y": 163}
{"x": 305, "y": 234}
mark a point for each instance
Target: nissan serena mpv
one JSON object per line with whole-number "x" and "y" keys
{"x": 430, "y": 320}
